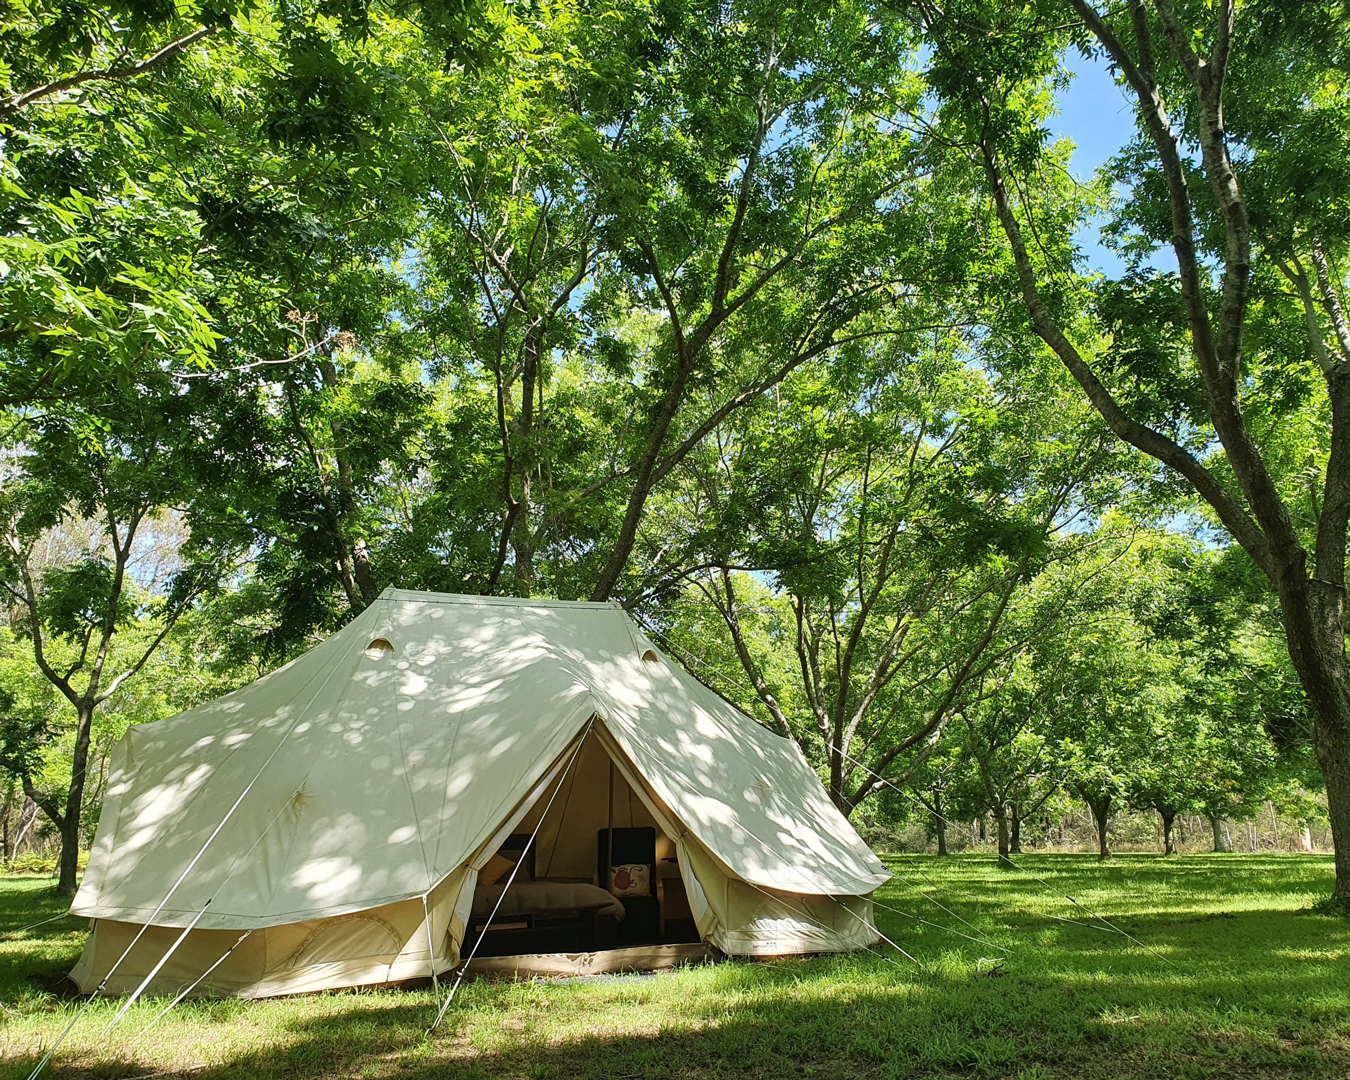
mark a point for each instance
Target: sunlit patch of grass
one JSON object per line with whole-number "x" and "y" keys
{"x": 1238, "y": 979}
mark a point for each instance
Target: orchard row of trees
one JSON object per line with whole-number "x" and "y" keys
{"x": 1135, "y": 671}
{"x": 766, "y": 321}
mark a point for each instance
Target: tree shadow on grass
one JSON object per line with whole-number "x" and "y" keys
{"x": 1091, "y": 1014}
{"x": 1252, "y": 992}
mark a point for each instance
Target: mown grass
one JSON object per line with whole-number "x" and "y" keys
{"x": 1242, "y": 982}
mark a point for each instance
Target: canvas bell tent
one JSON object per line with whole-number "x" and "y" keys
{"x": 449, "y": 773}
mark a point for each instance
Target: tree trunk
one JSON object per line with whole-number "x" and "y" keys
{"x": 1169, "y": 834}
{"x": 1312, "y": 599}
{"x": 69, "y": 865}
{"x": 365, "y": 580}
{"x": 28, "y": 820}
{"x": 1313, "y": 612}
{"x": 522, "y": 541}
{"x": 983, "y": 834}
{"x": 1101, "y": 813}
{"x": 1015, "y": 841}
{"x": 645, "y": 474}
{"x": 1001, "y": 821}
{"x": 1221, "y": 841}
{"x": 4, "y": 822}
{"x": 1305, "y": 838}
{"x": 941, "y": 822}
{"x": 1333, "y": 752}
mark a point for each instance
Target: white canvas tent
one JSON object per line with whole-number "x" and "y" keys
{"x": 339, "y": 809}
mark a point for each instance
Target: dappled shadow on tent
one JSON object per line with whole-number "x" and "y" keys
{"x": 375, "y": 765}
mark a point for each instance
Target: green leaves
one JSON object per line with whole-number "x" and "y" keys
{"x": 74, "y": 598}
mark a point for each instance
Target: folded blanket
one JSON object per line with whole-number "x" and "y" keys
{"x": 545, "y": 898}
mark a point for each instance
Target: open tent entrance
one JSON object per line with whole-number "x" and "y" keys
{"x": 601, "y": 874}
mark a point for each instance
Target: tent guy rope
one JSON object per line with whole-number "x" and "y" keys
{"x": 459, "y": 977}
{"x": 103, "y": 983}
{"x": 1034, "y": 877}
{"x": 191, "y": 986}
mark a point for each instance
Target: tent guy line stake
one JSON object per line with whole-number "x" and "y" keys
{"x": 1020, "y": 870}
{"x": 459, "y": 977}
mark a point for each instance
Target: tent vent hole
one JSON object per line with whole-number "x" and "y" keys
{"x": 378, "y": 648}
{"x": 650, "y": 656}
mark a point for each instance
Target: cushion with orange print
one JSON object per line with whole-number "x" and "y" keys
{"x": 630, "y": 879}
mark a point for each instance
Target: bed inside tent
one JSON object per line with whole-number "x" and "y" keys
{"x": 589, "y": 880}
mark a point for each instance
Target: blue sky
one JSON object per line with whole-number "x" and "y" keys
{"x": 1095, "y": 113}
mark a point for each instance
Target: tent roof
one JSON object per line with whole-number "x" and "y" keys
{"x": 363, "y": 776}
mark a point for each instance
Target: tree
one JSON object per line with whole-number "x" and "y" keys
{"x": 126, "y": 158}
{"x": 76, "y": 616}
{"x": 901, "y": 521}
{"x": 1190, "y": 70}
{"x": 1007, "y": 742}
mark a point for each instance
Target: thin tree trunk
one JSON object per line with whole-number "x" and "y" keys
{"x": 1001, "y": 821}
{"x": 983, "y": 834}
{"x": 1169, "y": 834}
{"x": 4, "y": 822}
{"x": 354, "y": 560}
{"x": 28, "y": 820}
{"x": 1015, "y": 840}
{"x": 69, "y": 864}
{"x": 941, "y": 823}
{"x": 1101, "y": 814}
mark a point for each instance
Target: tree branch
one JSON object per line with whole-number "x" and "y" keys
{"x": 37, "y": 93}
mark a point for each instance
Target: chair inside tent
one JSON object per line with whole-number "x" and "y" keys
{"x": 529, "y": 784}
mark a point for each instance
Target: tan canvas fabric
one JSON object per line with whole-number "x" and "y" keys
{"x": 378, "y": 945}
{"x": 360, "y": 778}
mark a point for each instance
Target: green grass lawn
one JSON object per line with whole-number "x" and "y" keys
{"x": 1251, "y": 986}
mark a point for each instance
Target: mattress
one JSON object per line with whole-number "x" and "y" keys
{"x": 545, "y": 898}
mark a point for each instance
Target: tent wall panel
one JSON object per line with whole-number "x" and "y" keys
{"x": 743, "y": 919}
{"x": 383, "y": 944}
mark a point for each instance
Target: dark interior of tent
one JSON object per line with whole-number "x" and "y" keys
{"x": 587, "y": 869}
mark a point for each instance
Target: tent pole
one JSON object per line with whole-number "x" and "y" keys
{"x": 431, "y": 952}
{"x": 609, "y": 832}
